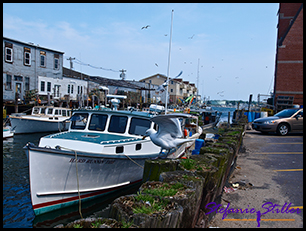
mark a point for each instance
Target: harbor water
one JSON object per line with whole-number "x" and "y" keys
{"x": 17, "y": 207}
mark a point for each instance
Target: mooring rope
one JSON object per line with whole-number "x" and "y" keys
{"x": 133, "y": 161}
{"x": 76, "y": 166}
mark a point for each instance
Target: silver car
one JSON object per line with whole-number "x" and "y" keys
{"x": 283, "y": 122}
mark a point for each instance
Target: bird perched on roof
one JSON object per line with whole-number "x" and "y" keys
{"x": 145, "y": 27}
{"x": 169, "y": 134}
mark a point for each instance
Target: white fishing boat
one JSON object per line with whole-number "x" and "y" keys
{"x": 8, "y": 132}
{"x": 42, "y": 119}
{"x": 103, "y": 151}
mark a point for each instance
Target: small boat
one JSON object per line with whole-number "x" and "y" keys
{"x": 210, "y": 117}
{"x": 103, "y": 151}
{"x": 8, "y": 132}
{"x": 42, "y": 119}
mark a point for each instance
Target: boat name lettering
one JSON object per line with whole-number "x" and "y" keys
{"x": 92, "y": 161}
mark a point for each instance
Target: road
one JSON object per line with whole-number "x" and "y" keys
{"x": 270, "y": 171}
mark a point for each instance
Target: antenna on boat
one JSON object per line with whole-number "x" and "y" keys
{"x": 166, "y": 105}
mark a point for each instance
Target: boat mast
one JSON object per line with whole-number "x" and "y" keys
{"x": 198, "y": 81}
{"x": 169, "y": 63}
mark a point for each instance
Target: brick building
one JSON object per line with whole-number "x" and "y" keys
{"x": 288, "y": 84}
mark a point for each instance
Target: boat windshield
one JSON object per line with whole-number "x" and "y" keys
{"x": 79, "y": 121}
{"x": 139, "y": 126}
{"x": 118, "y": 124}
{"x": 97, "y": 122}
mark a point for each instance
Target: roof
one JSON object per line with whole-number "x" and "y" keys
{"x": 113, "y": 82}
{"x": 32, "y": 45}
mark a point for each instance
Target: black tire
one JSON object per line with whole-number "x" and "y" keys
{"x": 283, "y": 129}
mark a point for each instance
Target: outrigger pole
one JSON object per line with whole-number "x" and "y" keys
{"x": 168, "y": 71}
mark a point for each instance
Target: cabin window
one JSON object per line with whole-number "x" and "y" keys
{"x": 119, "y": 149}
{"x": 57, "y": 112}
{"x": 50, "y": 111}
{"x": 64, "y": 113}
{"x": 138, "y": 147}
{"x": 139, "y": 126}
{"x": 98, "y": 122}
{"x": 43, "y": 110}
{"x": 117, "y": 124}
{"x": 35, "y": 110}
{"x": 79, "y": 120}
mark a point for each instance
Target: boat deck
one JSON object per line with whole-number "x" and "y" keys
{"x": 100, "y": 138}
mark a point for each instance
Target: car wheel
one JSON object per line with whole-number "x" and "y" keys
{"x": 282, "y": 129}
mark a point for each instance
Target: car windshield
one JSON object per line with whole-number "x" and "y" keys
{"x": 286, "y": 113}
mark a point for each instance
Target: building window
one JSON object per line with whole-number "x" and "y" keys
{"x": 27, "y": 56}
{"x": 42, "y": 86}
{"x": 171, "y": 90}
{"x": 42, "y": 58}
{"x": 8, "y": 52}
{"x": 78, "y": 90}
{"x": 27, "y": 83}
{"x": 8, "y": 82}
{"x": 48, "y": 86}
{"x": 68, "y": 88}
{"x": 56, "y": 61}
{"x": 18, "y": 78}
{"x": 71, "y": 89}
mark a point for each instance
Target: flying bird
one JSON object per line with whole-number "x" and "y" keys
{"x": 145, "y": 27}
{"x": 156, "y": 64}
{"x": 164, "y": 85}
{"x": 169, "y": 134}
{"x": 191, "y": 37}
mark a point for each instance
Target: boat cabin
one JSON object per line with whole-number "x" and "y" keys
{"x": 122, "y": 122}
{"x": 51, "y": 111}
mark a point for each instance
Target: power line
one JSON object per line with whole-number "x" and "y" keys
{"x": 77, "y": 61}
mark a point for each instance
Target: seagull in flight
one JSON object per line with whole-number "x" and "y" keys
{"x": 145, "y": 27}
{"x": 191, "y": 37}
{"x": 156, "y": 64}
{"x": 169, "y": 134}
{"x": 164, "y": 85}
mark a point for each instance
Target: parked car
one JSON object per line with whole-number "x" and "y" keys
{"x": 283, "y": 122}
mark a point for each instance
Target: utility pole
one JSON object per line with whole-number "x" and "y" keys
{"x": 122, "y": 75}
{"x": 71, "y": 63}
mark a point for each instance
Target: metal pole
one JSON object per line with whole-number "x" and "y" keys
{"x": 169, "y": 63}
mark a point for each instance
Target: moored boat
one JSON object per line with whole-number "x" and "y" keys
{"x": 8, "y": 132}
{"x": 103, "y": 151}
{"x": 42, "y": 119}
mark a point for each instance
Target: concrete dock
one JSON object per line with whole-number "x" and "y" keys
{"x": 269, "y": 171}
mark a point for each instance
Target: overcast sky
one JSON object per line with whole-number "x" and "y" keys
{"x": 234, "y": 43}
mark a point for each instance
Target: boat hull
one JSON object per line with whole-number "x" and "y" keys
{"x": 56, "y": 177}
{"x": 27, "y": 125}
{"x": 7, "y": 133}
